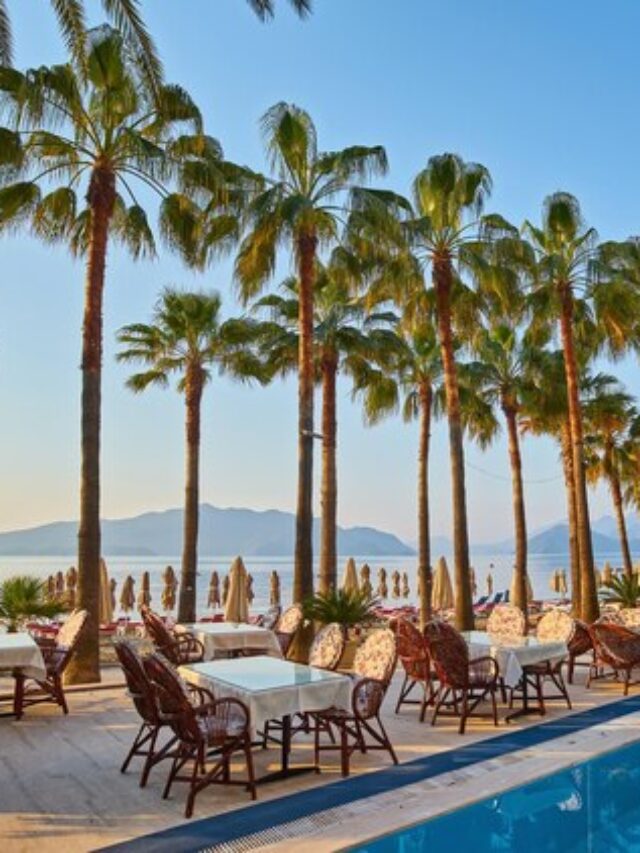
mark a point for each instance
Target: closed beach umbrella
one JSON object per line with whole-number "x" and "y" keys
{"x": 512, "y": 589}
{"x": 395, "y": 584}
{"x": 598, "y": 575}
{"x": 113, "y": 583}
{"x": 168, "y": 597}
{"x": 473, "y": 582}
{"x": 144, "y": 596}
{"x": 72, "y": 583}
{"x": 274, "y": 589}
{"x": 383, "y": 589}
{"x": 607, "y": 573}
{"x": 350, "y": 577}
{"x": 213, "y": 599}
{"x": 106, "y": 611}
{"x": 442, "y": 591}
{"x": 365, "y": 580}
{"x": 225, "y": 590}
{"x": 237, "y": 607}
{"x": 562, "y": 582}
{"x": 489, "y": 584}
{"x": 405, "y": 585}
{"x": 250, "y": 593}
{"x": 554, "y": 581}
{"x": 51, "y": 588}
{"x": 59, "y": 585}
{"x": 127, "y": 595}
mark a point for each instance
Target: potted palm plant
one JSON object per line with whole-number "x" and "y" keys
{"x": 350, "y": 609}
{"x": 623, "y": 590}
{"x": 23, "y": 597}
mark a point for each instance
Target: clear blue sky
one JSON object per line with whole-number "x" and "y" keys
{"x": 545, "y": 94}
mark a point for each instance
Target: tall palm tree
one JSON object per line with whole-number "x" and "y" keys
{"x": 98, "y": 136}
{"x": 502, "y": 374}
{"x": 347, "y": 340}
{"x": 187, "y": 338}
{"x": 413, "y": 387}
{"x": 300, "y": 207}
{"x": 612, "y": 424}
{"x": 441, "y": 229}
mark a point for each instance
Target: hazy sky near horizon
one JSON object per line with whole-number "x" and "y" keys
{"x": 545, "y": 94}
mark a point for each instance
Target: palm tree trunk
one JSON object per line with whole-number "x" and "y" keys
{"x": 303, "y": 565}
{"x": 443, "y": 280}
{"x": 589, "y": 609}
{"x": 329, "y": 487}
{"x": 574, "y": 556}
{"x": 519, "y": 518}
{"x": 616, "y": 494}
{"x": 424, "y": 531}
{"x": 84, "y": 666}
{"x": 193, "y": 398}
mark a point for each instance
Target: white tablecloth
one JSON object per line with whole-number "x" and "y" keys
{"x": 21, "y": 650}
{"x": 514, "y": 653}
{"x": 271, "y": 688}
{"x": 220, "y": 638}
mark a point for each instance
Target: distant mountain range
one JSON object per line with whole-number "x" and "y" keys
{"x": 222, "y": 532}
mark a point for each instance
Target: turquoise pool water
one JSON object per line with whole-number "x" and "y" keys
{"x": 593, "y": 806}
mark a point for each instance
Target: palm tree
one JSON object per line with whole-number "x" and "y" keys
{"x": 612, "y": 425}
{"x": 413, "y": 387}
{"x": 301, "y": 207}
{"x": 187, "y": 338}
{"x": 441, "y": 231}
{"x": 502, "y": 375}
{"x": 346, "y": 340}
{"x": 66, "y": 137}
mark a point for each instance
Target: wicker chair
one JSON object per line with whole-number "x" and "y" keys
{"x": 179, "y": 647}
{"x": 218, "y": 724}
{"x": 143, "y": 694}
{"x": 269, "y": 620}
{"x": 464, "y": 683}
{"x": 414, "y": 656}
{"x": 617, "y": 647}
{"x": 556, "y": 625}
{"x": 286, "y": 627}
{"x": 579, "y": 644}
{"x": 506, "y": 620}
{"x": 360, "y": 726}
{"x": 56, "y": 653}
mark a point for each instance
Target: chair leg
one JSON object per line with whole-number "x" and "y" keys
{"x": 439, "y": 702}
{"x": 626, "y": 682}
{"x": 148, "y": 764}
{"x": 386, "y": 742}
{"x": 265, "y": 735}
{"x": 178, "y": 762}
{"x": 465, "y": 711}
{"x": 59, "y": 695}
{"x": 402, "y": 694}
{"x": 18, "y": 695}
{"x": 570, "y": 666}
{"x": 250, "y": 771}
{"x": 198, "y": 759}
{"x": 494, "y": 705}
{"x": 316, "y": 745}
{"x": 344, "y": 751}
{"x": 139, "y": 739}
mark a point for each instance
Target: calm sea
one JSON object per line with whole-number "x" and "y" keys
{"x": 541, "y": 569}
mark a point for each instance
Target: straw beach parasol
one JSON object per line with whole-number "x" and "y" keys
{"x": 607, "y": 573}
{"x": 554, "y": 581}
{"x": 250, "y": 593}
{"x": 395, "y": 584}
{"x": 442, "y": 591}
{"x": 237, "y": 607}
{"x": 168, "y": 597}
{"x": 473, "y": 582}
{"x": 127, "y": 595}
{"x": 144, "y": 596}
{"x": 59, "y": 584}
{"x": 213, "y": 599}
{"x": 512, "y": 588}
{"x": 51, "y": 588}
{"x": 405, "y": 585}
{"x": 106, "y": 610}
{"x": 113, "y": 583}
{"x": 489, "y": 583}
{"x": 274, "y": 589}
{"x": 365, "y": 580}
{"x": 350, "y": 576}
{"x": 72, "y": 583}
{"x": 562, "y": 582}
{"x": 225, "y": 590}
{"x": 383, "y": 589}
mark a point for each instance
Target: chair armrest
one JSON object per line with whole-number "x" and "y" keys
{"x": 224, "y": 708}
{"x": 367, "y": 697}
{"x": 485, "y": 665}
{"x": 201, "y": 693}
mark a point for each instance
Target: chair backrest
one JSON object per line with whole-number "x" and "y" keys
{"x": 506, "y": 620}
{"x": 450, "y": 656}
{"x": 173, "y": 698}
{"x": 376, "y": 657}
{"x": 141, "y": 689}
{"x": 270, "y": 618}
{"x": 630, "y": 616}
{"x": 556, "y": 625}
{"x": 581, "y": 640}
{"x": 160, "y": 635}
{"x": 69, "y": 633}
{"x": 290, "y": 620}
{"x": 615, "y": 643}
{"x": 437, "y": 629}
{"x": 327, "y": 647}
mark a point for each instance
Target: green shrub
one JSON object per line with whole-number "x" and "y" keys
{"x": 23, "y": 597}
{"x": 345, "y": 608}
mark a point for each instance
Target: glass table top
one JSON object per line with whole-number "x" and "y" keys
{"x": 221, "y": 628}
{"x": 260, "y": 672}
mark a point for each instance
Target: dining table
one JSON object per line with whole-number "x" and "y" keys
{"x": 272, "y": 689}
{"x": 224, "y": 639}
{"x": 512, "y": 654}
{"x": 20, "y": 651}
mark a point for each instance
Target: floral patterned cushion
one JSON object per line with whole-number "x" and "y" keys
{"x": 290, "y": 620}
{"x": 68, "y": 634}
{"x": 376, "y": 657}
{"x": 506, "y": 620}
{"x": 630, "y": 617}
{"x": 556, "y": 625}
{"x": 327, "y": 647}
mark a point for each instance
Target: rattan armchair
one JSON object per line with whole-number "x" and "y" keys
{"x": 179, "y": 647}
{"x": 413, "y": 655}
{"x": 617, "y": 647}
{"x": 287, "y": 626}
{"x": 30, "y": 690}
{"x": 218, "y": 726}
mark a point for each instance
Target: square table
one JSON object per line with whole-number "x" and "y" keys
{"x": 272, "y": 689}
{"x": 512, "y": 655}
{"x": 221, "y": 638}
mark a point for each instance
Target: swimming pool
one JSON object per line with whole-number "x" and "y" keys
{"x": 593, "y": 806}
